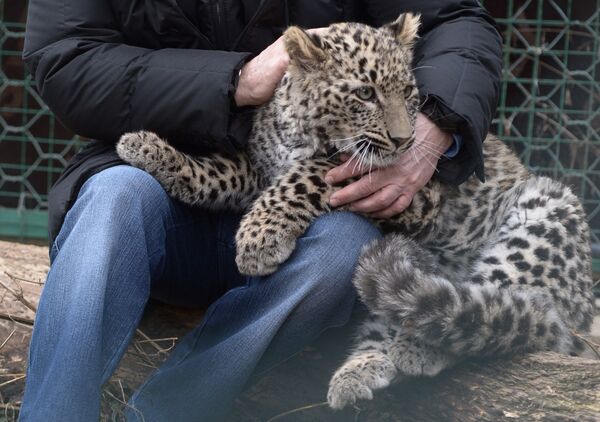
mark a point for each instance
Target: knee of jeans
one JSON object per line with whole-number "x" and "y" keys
{"x": 337, "y": 240}
{"x": 343, "y": 233}
{"x": 124, "y": 198}
{"x": 123, "y": 180}
{"x": 122, "y": 190}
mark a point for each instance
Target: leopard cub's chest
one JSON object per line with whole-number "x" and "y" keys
{"x": 272, "y": 154}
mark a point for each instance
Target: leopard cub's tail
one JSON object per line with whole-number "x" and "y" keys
{"x": 398, "y": 279}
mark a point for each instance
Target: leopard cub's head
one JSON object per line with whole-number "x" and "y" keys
{"x": 354, "y": 89}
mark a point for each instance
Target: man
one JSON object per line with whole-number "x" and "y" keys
{"x": 191, "y": 71}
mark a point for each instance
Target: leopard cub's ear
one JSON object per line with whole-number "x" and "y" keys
{"x": 405, "y": 28}
{"x": 305, "y": 50}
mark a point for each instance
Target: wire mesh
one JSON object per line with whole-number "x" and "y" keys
{"x": 34, "y": 146}
{"x": 550, "y": 97}
{"x": 549, "y": 107}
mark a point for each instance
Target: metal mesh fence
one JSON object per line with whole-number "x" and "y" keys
{"x": 550, "y": 97}
{"x": 549, "y": 107}
{"x": 34, "y": 146}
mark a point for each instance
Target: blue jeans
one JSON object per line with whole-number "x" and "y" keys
{"x": 125, "y": 240}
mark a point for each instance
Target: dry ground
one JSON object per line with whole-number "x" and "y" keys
{"x": 302, "y": 381}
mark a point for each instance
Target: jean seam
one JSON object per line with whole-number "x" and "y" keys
{"x": 171, "y": 228}
{"x": 53, "y": 251}
{"x": 167, "y": 230}
{"x": 220, "y": 252}
{"x": 205, "y": 320}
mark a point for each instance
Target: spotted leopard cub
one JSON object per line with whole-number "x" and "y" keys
{"x": 348, "y": 89}
{"x": 484, "y": 269}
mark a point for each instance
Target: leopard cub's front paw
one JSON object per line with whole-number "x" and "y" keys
{"x": 346, "y": 389}
{"x": 141, "y": 148}
{"x": 260, "y": 249}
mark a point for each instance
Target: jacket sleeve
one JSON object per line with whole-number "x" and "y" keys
{"x": 458, "y": 66}
{"x": 101, "y": 87}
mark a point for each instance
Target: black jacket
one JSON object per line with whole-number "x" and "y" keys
{"x": 106, "y": 67}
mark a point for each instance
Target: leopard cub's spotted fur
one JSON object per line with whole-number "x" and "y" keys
{"x": 483, "y": 269}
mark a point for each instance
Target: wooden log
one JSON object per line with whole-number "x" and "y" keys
{"x": 536, "y": 387}
{"x": 543, "y": 386}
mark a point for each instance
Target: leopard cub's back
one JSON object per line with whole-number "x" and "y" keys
{"x": 518, "y": 230}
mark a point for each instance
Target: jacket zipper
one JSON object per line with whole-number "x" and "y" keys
{"x": 181, "y": 15}
{"x": 251, "y": 22}
{"x": 223, "y": 19}
{"x": 219, "y": 30}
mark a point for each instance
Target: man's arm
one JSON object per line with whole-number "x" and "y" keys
{"x": 100, "y": 87}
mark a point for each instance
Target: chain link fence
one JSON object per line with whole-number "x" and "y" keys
{"x": 549, "y": 108}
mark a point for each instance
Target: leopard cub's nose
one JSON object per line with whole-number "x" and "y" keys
{"x": 397, "y": 139}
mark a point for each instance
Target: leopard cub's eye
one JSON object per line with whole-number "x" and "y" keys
{"x": 408, "y": 90}
{"x": 365, "y": 93}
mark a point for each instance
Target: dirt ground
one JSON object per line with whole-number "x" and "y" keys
{"x": 299, "y": 383}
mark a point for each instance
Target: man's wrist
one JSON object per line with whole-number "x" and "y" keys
{"x": 435, "y": 142}
{"x": 455, "y": 147}
{"x": 242, "y": 96}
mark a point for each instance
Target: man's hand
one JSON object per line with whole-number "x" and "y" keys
{"x": 389, "y": 190}
{"x": 261, "y": 75}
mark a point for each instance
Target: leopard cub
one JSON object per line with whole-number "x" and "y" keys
{"x": 348, "y": 89}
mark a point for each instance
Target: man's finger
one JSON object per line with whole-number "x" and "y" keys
{"x": 345, "y": 171}
{"x": 362, "y": 188}
{"x": 396, "y": 208}
{"x": 378, "y": 201}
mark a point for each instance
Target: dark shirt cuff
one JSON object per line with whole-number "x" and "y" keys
{"x": 455, "y": 147}
{"x": 241, "y": 118}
